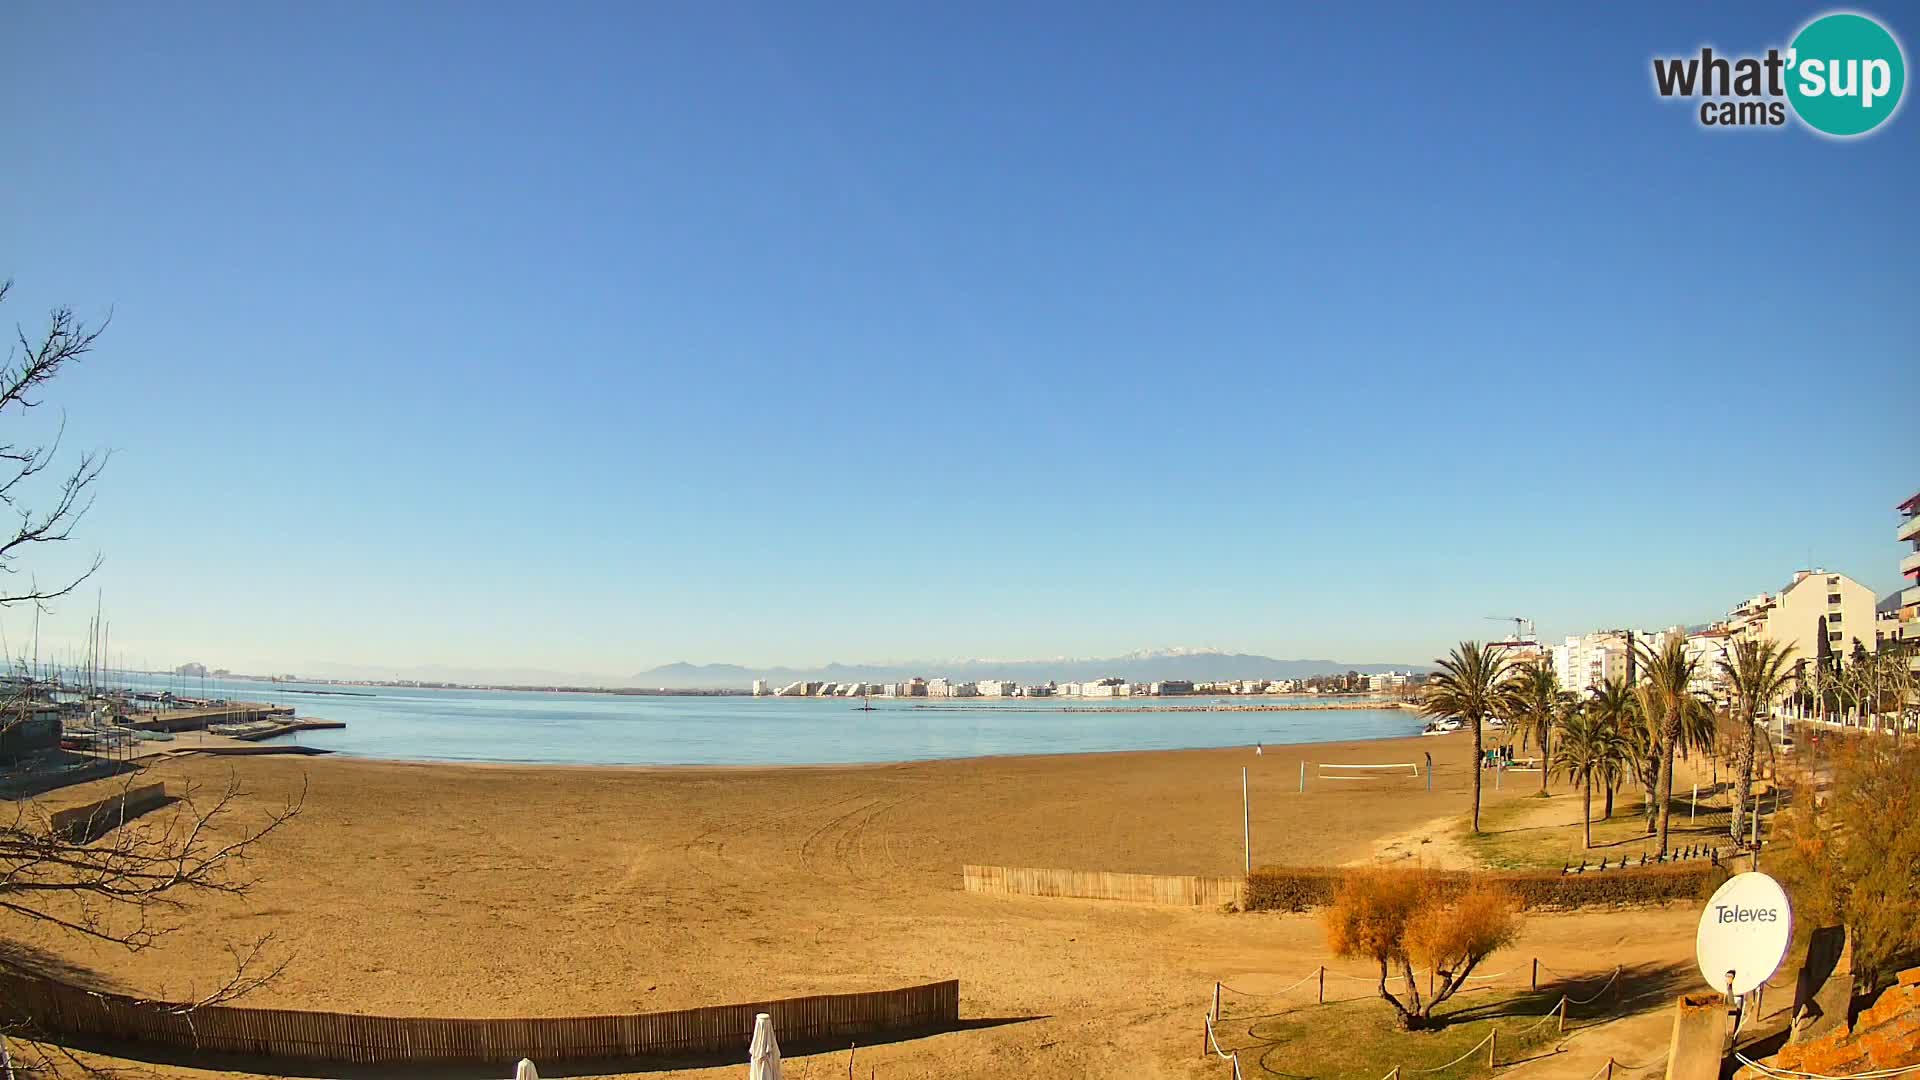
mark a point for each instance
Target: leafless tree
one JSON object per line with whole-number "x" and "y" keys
{"x": 32, "y": 361}
{"x": 110, "y": 876}
{"x": 123, "y": 880}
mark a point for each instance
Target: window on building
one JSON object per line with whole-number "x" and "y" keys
{"x": 1833, "y": 598}
{"x": 1834, "y": 636}
{"x": 1833, "y": 618}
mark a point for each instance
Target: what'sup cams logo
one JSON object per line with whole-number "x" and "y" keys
{"x": 1843, "y": 76}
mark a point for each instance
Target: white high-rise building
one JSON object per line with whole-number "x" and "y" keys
{"x": 759, "y": 688}
{"x": 1909, "y": 611}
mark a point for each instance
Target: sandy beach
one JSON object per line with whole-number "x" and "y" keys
{"x": 461, "y": 890}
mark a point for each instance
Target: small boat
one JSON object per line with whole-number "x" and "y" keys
{"x": 1442, "y": 727}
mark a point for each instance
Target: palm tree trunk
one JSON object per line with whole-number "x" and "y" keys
{"x": 1743, "y": 784}
{"x": 1476, "y": 775}
{"x": 1666, "y": 782}
{"x": 1544, "y": 755}
{"x": 1609, "y": 814}
{"x": 1586, "y": 812}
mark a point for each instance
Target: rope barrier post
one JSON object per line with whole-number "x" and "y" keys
{"x": 1303, "y": 777}
{"x": 1609, "y": 1069}
{"x": 1215, "y": 1014}
{"x": 1321, "y": 998}
{"x": 1493, "y": 1049}
{"x": 1535, "y": 987}
{"x": 1206, "y": 1038}
{"x": 1693, "y": 808}
{"x": 1563, "y": 1014}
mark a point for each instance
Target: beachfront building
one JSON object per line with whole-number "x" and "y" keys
{"x": 1813, "y": 604}
{"x": 1520, "y": 651}
{"x": 996, "y": 687}
{"x": 1907, "y": 614}
{"x": 1068, "y": 689}
{"x": 1106, "y": 688}
{"x": 1709, "y": 651}
{"x": 1038, "y": 691}
{"x": 1587, "y": 661}
{"x": 1886, "y": 621}
{"x": 759, "y": 688}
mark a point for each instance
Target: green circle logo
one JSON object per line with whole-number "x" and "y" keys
{"x": 1845, "y": 74}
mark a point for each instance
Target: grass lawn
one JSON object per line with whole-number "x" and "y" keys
{"x": 1361, "y": 1039}
{"x": 1531, "y": 833}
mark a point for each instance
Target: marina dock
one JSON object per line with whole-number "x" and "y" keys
{"x": 195, "y": 719}
{"x": 273, "y": 727}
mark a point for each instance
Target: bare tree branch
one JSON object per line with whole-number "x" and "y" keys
{"x": 32, "y": 361}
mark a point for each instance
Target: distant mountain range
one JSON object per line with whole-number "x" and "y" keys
{"x": 1204, "y": 665}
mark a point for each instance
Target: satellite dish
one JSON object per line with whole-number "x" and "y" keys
{"x": 1744, "y": 933}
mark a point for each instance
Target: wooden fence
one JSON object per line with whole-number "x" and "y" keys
{"x": 1177, "y": 889}
{"x": 58, "y": 1010}
{"x": 97, "y": 818}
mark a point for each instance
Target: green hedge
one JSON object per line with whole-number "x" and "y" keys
{"x": 1298, "y": 888}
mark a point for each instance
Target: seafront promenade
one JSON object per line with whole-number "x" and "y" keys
{"x": 1215, "y": 706}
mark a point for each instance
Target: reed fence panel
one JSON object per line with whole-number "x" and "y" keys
{"x": 1174, "y": 889}
{"x": 55, "y": 1010}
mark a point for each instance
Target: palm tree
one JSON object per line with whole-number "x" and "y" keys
{"x": 1469, "y": 687}
{"x": 1532, "y": 699}
{"x": 1669, "y": 675}
{"x": 1758, "y": 671}
{"x": 1699, "y": 727}
{"x": 1590, "y": 748}
{"x": 1643, "y": 743}
{"x": 1613, "y": 701}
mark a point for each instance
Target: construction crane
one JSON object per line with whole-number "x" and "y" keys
{"x": 1522, "y": 626}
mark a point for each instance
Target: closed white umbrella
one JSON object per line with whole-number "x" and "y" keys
{"x": 763, "y": 1057}
{"x": 525, "y": 1071}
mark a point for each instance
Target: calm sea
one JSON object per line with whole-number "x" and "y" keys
{"x": 606, "y": 729}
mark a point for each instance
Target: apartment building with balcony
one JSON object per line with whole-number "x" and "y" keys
{"x": 1814, "y": 603}
{"x": 1908, "y": 613}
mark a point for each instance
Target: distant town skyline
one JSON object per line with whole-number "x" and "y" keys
{"x": 734, "y": 333}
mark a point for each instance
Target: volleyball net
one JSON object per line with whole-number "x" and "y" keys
{"x": 1327, "y": 770}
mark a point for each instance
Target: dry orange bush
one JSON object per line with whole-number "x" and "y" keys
{"x": 1408, "y": 918}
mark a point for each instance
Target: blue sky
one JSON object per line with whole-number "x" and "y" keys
{"x": 590, "y": 337}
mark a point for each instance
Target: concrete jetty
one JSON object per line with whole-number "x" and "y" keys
{"x": 194, "y": 719}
